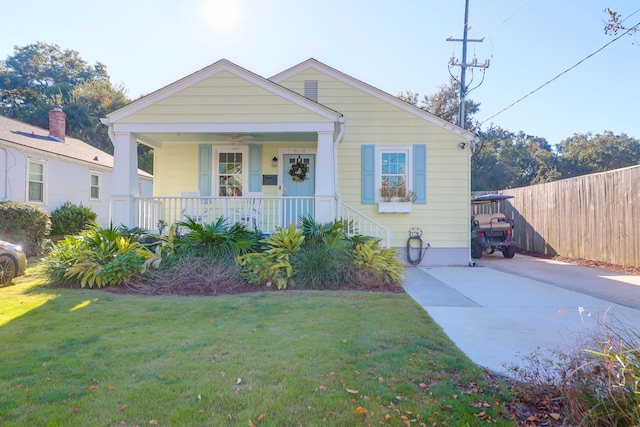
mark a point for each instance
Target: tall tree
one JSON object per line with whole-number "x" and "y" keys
{"x": 445, "y": 103}
{"x": 585, "y": 153}
{"x": 41, "y": 76}
{"x": 505, "y": 159}
{"x": 88, "y": 102}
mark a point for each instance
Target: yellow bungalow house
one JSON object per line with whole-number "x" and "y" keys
{"x": 308, "y": 141}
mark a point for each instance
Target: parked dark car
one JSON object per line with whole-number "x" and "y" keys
{"x": 13, "y": 262}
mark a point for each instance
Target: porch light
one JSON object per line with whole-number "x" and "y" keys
{"x": 274, "y": 162}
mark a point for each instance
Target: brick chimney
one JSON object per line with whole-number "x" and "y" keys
{"x": 57, "y": 124}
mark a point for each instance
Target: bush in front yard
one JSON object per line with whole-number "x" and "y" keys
{"x": 71, "y": 219}
{"x": 369, "y": 256}
{"x": 97, "y": 257}
{"x": 26, "y": 225}
{"x": 273, "y": 264}
{"x": 215, "y": 239}
{"x": 321, "y": 256}
{"x": 602, "y": 387}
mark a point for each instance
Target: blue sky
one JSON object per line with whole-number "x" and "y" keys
{"x": 393, "y": 45}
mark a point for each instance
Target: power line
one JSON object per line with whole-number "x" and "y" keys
{"x": 559, "y": 75}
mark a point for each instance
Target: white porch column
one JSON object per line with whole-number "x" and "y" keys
{"x": 325, "y": 206}
{"x": 125, "y": 179}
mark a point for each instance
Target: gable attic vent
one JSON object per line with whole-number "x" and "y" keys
{"x": 311, "y": 90}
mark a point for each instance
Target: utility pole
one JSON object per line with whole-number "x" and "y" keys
{"x": 464, "y": 89}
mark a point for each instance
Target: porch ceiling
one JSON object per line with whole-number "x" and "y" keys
{"x": 157, "y": 139}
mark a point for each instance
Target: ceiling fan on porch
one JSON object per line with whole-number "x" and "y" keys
{"x": 237, "y": 139}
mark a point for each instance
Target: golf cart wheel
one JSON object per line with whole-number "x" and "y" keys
{"x": 7, "y": 270}
{"x": 509, "y": 251}
{"x": 476, "y": 249}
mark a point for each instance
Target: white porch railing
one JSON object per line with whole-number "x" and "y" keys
{"x": 361, "y": 224}
{"x": 259, "y": 213}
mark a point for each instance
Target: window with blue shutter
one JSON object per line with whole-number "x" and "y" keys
{"x": 394, "y": 168}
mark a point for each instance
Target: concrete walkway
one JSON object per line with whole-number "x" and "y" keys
{"x": 504, "y": 310}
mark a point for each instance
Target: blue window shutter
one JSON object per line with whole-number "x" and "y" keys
{"x": 420, "y": 173}
{"x": 205, "y": 166}
{"x": 368, "y": 174}
{"x": 255, "y": 167}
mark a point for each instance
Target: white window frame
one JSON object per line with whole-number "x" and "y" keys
{"x": 91, "y": 186}
{"x": 244, "y": 150}
{"x": 43, "y": 182}
{"x": 408, "y": 151}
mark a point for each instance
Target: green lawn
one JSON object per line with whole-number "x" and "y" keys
{"x": 89, "y": 357}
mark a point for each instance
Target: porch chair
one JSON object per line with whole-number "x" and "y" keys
{"x": 191, "y": 206}
{"x": 251, "y": 213}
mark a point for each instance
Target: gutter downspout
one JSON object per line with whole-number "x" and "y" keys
{"x": 107, "y": 122}
{"x": 472, "y": 148}
{"x": 337, "y": 141}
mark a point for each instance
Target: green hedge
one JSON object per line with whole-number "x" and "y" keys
{"x": 24, "y": 224}
{"x": 71, "y": 219}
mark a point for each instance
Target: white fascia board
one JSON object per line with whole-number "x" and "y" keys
{"x": 138, "y": 128}
{"x": 211, "y": 70}
{"x": 373, "y": 91}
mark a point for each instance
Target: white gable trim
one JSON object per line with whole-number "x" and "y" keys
{"x": 211, "y": 70}
{"x": 373, "y": 91}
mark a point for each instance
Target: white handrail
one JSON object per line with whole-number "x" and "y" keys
{"x": 362, "y": 224}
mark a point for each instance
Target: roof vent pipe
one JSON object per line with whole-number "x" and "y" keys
{"x": 57, "y": 124}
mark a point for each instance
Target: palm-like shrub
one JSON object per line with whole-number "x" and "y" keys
{"x": 320, "y": 256}
{"x": 325, "y": 257}
{"x": 273, "y": 264}
{"x": 98, "y": 257}
{"x": 383, "y": 262}
{"x": 215, "y": 239}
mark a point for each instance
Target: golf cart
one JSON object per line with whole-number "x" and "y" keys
{"x": 491, "y": 230}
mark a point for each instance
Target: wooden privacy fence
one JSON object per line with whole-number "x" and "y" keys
{"x": 595, "y": 217}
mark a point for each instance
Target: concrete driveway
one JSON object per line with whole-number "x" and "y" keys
{"x": 503, "y": 310}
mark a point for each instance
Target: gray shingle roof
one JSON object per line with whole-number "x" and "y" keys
{"x": 34, "y": 137}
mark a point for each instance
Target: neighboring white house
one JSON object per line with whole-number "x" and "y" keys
{"x": 47, "y": 168}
